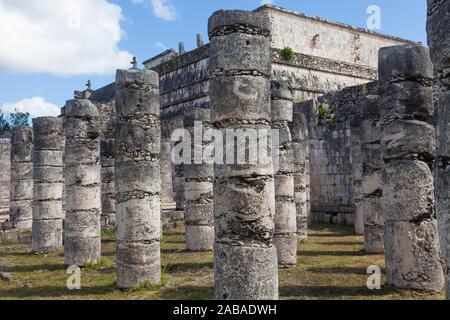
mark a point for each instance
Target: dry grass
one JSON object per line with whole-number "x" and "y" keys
{"x": 331, "y": 265}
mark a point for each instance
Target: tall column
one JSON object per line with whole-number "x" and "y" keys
{"x": 439, "y": 42}
{"x": 199, "y": 178}
{"x": 5, "y": 174}
{"x": 21, "y": 187}
{"x": 245, "y": 259}
{"x": 357, "y": 171}
{"x": 179, "y": 185}
{"x": 167, "y": 195}
{"x": 138, "y": 182}
{"x": 83, "y": 184}
{"x": 300, "y": 145}
{"x": 107, "y": 158}
{"x": 48, "y": 184}
{"x": 285, "y": 232}
{"x": 408, "y": 147}
{"x": 370, "y": 204}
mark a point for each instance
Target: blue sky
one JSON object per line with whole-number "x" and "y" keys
{"x": 49, "y": 50}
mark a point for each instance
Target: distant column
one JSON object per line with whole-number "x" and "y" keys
{"x": 181, "y": 50}
{"x": 48, "y": 184}
{"x": 199, "y": 178}
{"x": 370, "y": 204}
{"x": 439, "y": 43}
{"x": 138, "y": 182}
{"x": 107, "y": 158}
{"x": 83, "y": 184}
{"x": 200, "y": 40}
{"x": 21, "y": 187}
{"x": 285, "y": 232}
{"x": 245, "y": 259}
{"x": 408, "y": 147}
{"x": 300, "y": 144}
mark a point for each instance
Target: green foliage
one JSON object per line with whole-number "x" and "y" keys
{"x": 4, "y": 123}
{"x": 364, "y": 90}
{"x": 92, "y": 265}
{"x": 323, "y": 115}
{"x": 16, "y": 119}
{"x": 287, "y": 53}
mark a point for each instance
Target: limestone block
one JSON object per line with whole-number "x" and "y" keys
{"x": 443, "y": 128}
{"x": 240, "y": 97}
{"x": 404, "y": 60}
{"x": 245, "y": 273}
{"x": 371, "y": 183}
{"x": 199, "y": 238}
{"x": 408, "y": 191}
{"x": 412, "y": 256}
{"x": 286, "y": 246}
{"x": 49, "y": 237}
{"x": 401, "y": 139}
{"x": 143, "y": 176}
{"x": 47, "y": 157}
{"x": 47, "y": 210}
{"x": 285, "y": 217}
{"x": 82, "y": 224}
{"x": 143, "y": 102}
{"x": 78, "y": 251}
{"x": 244, "y": 208}
{"x": 230, "y": 18}
{"x": 83, "y": 198}
{"x": 284, "y": 185}
{"x": 374, "y": 239}
{"x": 20, "y": 210}
{"x": 138, "y": 219}
{"x": 282, "y": 110}
{"x": 406, "y": 100}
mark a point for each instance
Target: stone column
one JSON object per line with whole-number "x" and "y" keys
{"x": 5, "y": 174}
{"x": 439, "y": 43}
{"x": 245, "y": 259}
{"x": 138, "y": 182}
{"x": 21, "y": 187}
{"x": 107, "y": 158}
{"x": 300, "y": 144}
{"x": 48, "y": 184}
{"x": 199, "y": 178}
{"x": 179, "y": 185}
{"x": 166, "y": 172}
{"x": 285, "y": 232}
{"x": 357, "y": 171}
{"x": 370, "y": 204}
{"x": 82, "y": 227}
{"x": 408, "y": 147}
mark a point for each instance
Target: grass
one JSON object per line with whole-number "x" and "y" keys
{"x": 331, "y": 264}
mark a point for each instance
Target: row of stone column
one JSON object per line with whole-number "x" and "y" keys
{"x": 408, "y": 148}
{"x": 439, "y": 43}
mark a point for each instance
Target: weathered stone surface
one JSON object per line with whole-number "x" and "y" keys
{"x": 48, "y": 180}
{"x": 443, "y": 127}
{"x": 408, "y": 191}
{"x": 137, "y": 178}
{"x": 245, "y": 273}
{"x": 408, "y": 139}
{"x": 21, "y": 176}
{"x": 199, "y": 237}
{"x": 404, "y": 61}
{"x": 412, "y": 255}
{"x": 245, "y": 261}
{"x": 406, "y": 100}
{"x": 83, "y": 184}
{"x": 438, "y": 35}
{"x": 241, "y": 98}
{"x": 373, "y": 224}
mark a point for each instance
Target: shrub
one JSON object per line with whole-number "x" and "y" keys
{"x": 287, "y": 53}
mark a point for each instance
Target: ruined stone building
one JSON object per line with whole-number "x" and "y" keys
{"x": 328, "y": 57}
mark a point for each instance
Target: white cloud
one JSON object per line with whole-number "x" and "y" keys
{"x": 160, "y": 45}
{"x": 70, "y": 37}
{"x": 36, "y": 107}
{"x": 263, "y": 2}
{"x": 164, "y": 9}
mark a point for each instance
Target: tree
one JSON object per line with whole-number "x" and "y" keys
{"x": 16, "y": 119}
